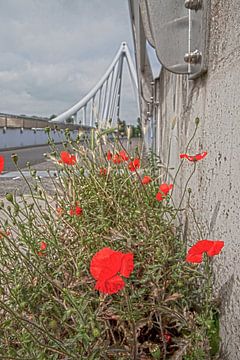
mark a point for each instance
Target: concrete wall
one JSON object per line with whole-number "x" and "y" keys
{"x": 18, "y": 121}
{"x": 15, "y": 138}
{"x": 16, "y": 131}
{"x": 215, "y": 99}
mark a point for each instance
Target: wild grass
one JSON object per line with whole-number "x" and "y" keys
{"x": 49, "y": 308}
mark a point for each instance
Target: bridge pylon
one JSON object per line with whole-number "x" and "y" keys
{"x": 103, "y": 101}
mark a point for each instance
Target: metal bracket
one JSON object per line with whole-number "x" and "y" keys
{"x": 194, "y": 57}
{"x": 193, "y": 4}
{"x": 180, "y": 36}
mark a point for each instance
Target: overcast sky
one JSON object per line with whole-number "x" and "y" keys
{"x": 52, "y": 52}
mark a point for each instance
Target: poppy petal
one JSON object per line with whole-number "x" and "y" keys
{"x": 111, "y": 266}
{"x": 117, "y": 159}
{"x": 43, "y": 245}
{"x": 216, "y": 248}
{"x": 109, "y": 155}
{"x": 71, "y": 212}
{"x": 73, "y": 160}
{"x": 103, "y": 171}
{"x": 134, "y": 165}
{"x": 200, "y": 247}
{"x": 196, "y": 157}
{"x": 110, "y": 286}
{"x": 165, "y": 188}
{"x": 65, "y": 157}
{"x": 200, "y": 156}
{"x": 68, "y": 158}
{"x": 127, "y": 265}
{"x": 1, "y": 163}
{"x": 78, "y": 210}
{"x": 146, "y": 180}
{"x": 99, "y": 261}
{"x": 159, "y": 196}
{"x": 123, "y": 155}
{"x": 194, "y": 258}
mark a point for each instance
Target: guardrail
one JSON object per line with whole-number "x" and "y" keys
{"x": 14, "y": 121}
{"x": 18, "y": 132}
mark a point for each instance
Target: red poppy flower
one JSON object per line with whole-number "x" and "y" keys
{"x": 196, "y": 157}
{"x": 109, "y": 155}
{"x": 167, "y": 337}
{"x": 117, "y": 159}
{"x": 67, "y": 158}
{"x": 210, "y": 247}
{"x": 59, "y": 211}
{"x": 110, "y": 286}
{"x": 99, "y": 260}
{"x": 41, "y": 253}
{"x": 134, "y": 165}
{"x": 43, "y": 245}
{"x": 71, "y": 212}
{"x": 164, "y": 190}
{"x": 106, "y": 267}
{"x": 1, "y": 163}
{"x": 127, "y": 265}
{"x": 159, "y": 196}
{"x": 3, "y": 233}
{"x": 103, "y": 171}
{"x": 146, "y": 180}
{"x": 76, "y": 211}
{"x": 123, "y": 155}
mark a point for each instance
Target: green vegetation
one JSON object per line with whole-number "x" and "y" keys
{"x": 49, "y": 308}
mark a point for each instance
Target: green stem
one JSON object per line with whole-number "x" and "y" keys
{"x": 184, "y": 191}
{"x": 130, "y": 314}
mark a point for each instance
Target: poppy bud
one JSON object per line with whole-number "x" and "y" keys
{"x": 81, "y": 170}
{"x": 197, "y": 121}
{"x": 45, "y": 216}
{"x": 14, "y": 158}
{"x": 53, "y": 324}
{"x": 9, "y": 197}
{"x": 33, "y": 173}
{"x": 96, "y": 332}
{"x": 22, "y": 305}
{"x": 155, "y": 351}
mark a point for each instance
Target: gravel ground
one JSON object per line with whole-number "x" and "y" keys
{"x": 19, "y": 185}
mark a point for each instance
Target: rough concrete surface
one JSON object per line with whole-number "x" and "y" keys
{"x": 214, "y": 98}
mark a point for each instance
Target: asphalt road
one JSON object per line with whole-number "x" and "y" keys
{"x": 34, "y": 155}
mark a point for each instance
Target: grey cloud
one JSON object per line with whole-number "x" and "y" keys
{"x": 53, "y": 52}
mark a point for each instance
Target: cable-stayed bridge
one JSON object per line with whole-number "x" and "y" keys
{"x": 99, "y": 108}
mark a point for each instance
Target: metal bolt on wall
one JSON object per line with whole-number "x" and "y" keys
{"x": 193, "y": 4}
